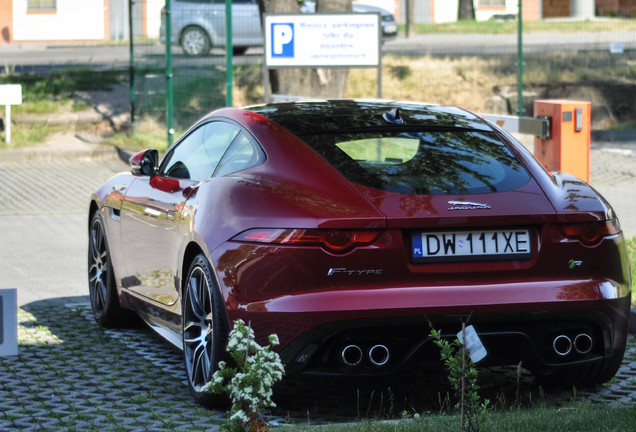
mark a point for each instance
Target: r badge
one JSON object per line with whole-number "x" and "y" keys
{"x": 575, "y": 264}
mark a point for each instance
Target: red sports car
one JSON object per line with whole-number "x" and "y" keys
{"x": 348, "y": 228}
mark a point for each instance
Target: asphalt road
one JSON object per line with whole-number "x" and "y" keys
{"x": 31, "y": 57}
{"x": 43, "y": 225}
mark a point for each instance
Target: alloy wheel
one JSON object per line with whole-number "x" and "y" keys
{"x": 99, "y": 276}
{"x": 198, "y": 329}
{"x": 195, "y": 42}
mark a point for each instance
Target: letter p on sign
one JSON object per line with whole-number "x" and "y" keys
{"x": 282, "y": 39}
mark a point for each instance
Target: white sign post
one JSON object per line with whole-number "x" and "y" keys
{"x": 323, "y": 40}
{"x": 8, "y": 322}
{"x": 10, "y": 94}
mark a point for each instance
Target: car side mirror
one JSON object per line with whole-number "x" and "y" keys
{"x": 145, "y": 162}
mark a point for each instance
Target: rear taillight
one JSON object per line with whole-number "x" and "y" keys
{"x": 336, "y": 241}
{"x": 590, "y": 233}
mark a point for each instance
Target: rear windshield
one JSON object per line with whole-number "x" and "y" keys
{"x": 423, "y": 163}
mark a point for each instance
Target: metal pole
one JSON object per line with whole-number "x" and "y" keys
{"x": 169, "y": 75}
{"x": 228, "y": 52}
{"x": 268, "y": 98}
{"x": 520, "y": 46}
{"x": 131, "y": 68}
{"x": 379, "y": 57}
{"x": 7, "y": 125}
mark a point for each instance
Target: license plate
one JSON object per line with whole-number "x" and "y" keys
{"x": 390, "y": 29}
{"x": 470, "y": 245}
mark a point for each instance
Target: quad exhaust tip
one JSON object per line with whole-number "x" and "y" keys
{"x": 379, "y": 355}
{"x": 352, "y": 355}
{"x": 563, "y": 345}
{"x": 583, "y": 343}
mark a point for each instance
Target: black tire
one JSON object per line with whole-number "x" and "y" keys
{"x": 195, "y": 42}
{"x": 101, "y": 280}
{"x": 204, "y": 331}
{"x": 582, "y": 376}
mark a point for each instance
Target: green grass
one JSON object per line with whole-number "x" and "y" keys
{"x": 575, "y": 417}
{"x": 29, "y": 136}
{"x": 193, "y": 96}
{"x": 138, "y": 141}
{"x": 42, "y": 93}
{"x": 52, "y": 93}
{"x": 545, "y": 26}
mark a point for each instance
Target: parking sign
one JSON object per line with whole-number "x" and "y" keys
{"x": 322, "y": 40}
{"x": 282, "y": 40}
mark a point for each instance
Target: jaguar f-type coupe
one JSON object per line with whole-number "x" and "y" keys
{"x": 351, "y": 228}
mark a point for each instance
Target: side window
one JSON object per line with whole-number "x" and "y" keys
{"x": 197, "y": 155}
{"x": 244, "y": 153}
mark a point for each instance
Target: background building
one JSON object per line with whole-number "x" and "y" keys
{"x": 66, "y": 21}
{"x": 32, "y": 21}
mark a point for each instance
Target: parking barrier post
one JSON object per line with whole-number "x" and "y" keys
{"x": 568, "y": 147}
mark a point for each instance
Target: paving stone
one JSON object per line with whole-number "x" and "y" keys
{"x": 72, "y": 375}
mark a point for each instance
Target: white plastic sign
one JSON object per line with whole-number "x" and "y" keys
{"x": 10, "y": 94}
{"x": 475, "y": 348}
{"x": 322, "y": 40}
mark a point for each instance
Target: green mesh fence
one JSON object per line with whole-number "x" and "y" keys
{"x": 469, "y": 64}
{"x": 198, "y": 60}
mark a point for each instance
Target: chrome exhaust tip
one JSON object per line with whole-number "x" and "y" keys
{"x": 379, "y": 355}
{"x": 351, "y": 355}
{"x": 583, "y": 343}
{"x": 562, "y": 345}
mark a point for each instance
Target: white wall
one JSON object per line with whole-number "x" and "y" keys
{"x": 512, "y": 7}
{"x": 73, "y": 20}
{"x": 384, "y": 4}
{"x": 446, "y": 11}
{"x": 153, "y": 17}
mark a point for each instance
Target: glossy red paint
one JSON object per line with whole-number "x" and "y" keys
{"x": 298, "y": 250}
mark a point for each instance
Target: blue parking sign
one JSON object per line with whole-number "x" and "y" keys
{"x": 282, "y": 40}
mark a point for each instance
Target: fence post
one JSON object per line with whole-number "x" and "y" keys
{"x": 169, "y": 74}
{"x": 131, "y": 76}
{"x": 229, "y": 53}
{"x": 520, "y": 110}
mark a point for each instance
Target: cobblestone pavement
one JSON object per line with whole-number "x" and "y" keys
{"x": 72, "y": 375}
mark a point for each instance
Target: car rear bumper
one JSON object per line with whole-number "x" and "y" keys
{"x": 533, "y": 333}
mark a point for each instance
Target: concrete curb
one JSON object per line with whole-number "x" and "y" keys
{"x": 57, "y": 119}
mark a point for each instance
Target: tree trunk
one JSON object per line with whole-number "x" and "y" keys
{"x": 410, "y": 18}
{"x": 311, "y": 83}
{"x": 466, "y": 10}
